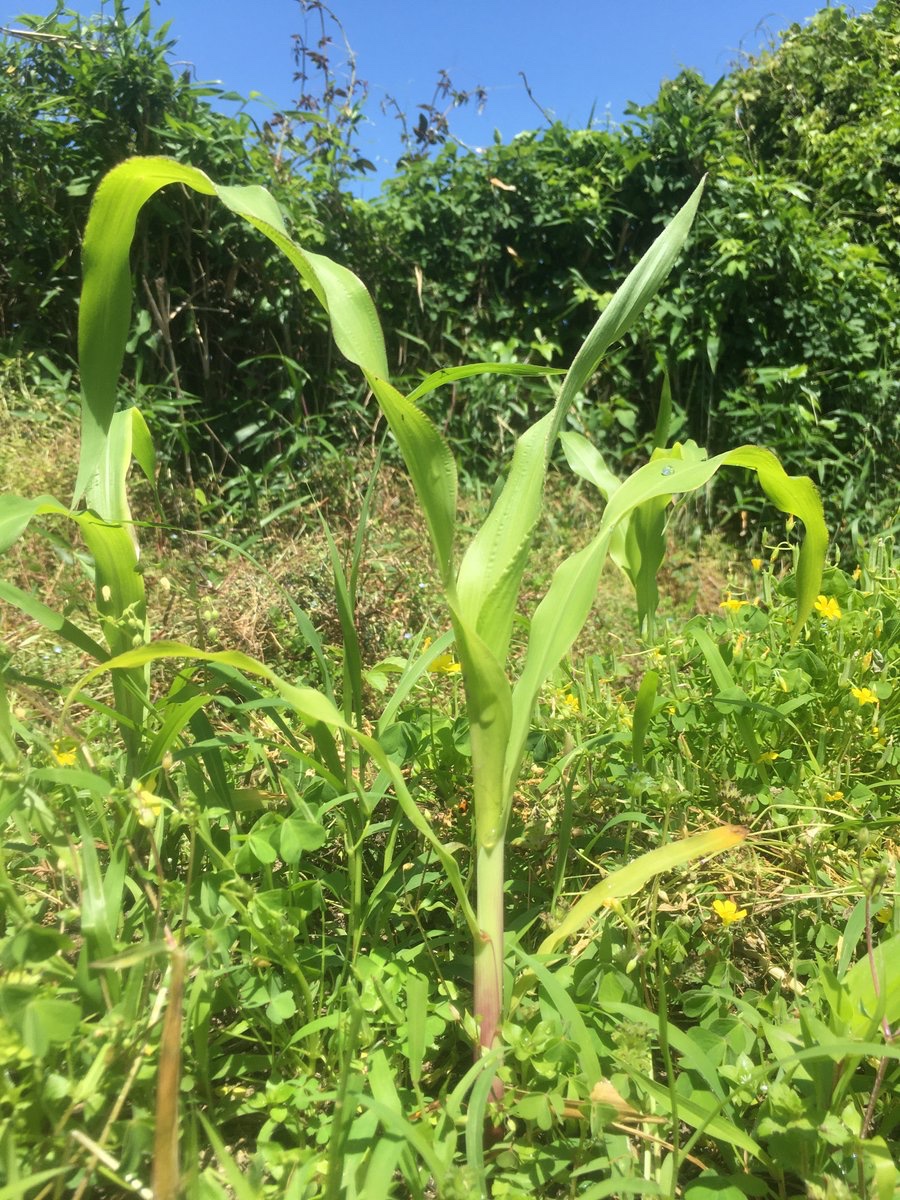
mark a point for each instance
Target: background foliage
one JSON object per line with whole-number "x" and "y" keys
{"x": 783, "y": 329}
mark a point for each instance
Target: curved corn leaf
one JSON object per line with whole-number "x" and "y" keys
{"x": 431, "y": 467}
{"x": 54, "y": 621}
{"x": 105, "y": 311}
{"x": 17, "y": 513}
{"x": 490, "y": 574}
{"x": 450, "y": 374}
{"x": 631, "y": 878}
{"x": 560, "y": 616}
{"x": 119, "y": 588}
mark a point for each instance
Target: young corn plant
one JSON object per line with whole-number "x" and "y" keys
{"x": 481, "y": 582}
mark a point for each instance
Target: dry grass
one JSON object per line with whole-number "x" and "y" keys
{"x": 203, "y": 592}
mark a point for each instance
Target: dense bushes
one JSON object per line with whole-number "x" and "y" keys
{"x": 783, "y": 326}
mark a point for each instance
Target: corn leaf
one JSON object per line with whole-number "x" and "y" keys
{"x": 451, "y": 374}
{"x": 631, "y": 878}
{"x": 431, "y": 467}
{"x": 626, "y": 306}
{"x": 490, "y": 574}
{"x": 106, "y": 295}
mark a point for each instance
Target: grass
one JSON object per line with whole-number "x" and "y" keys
{"x": 323, "y": 1045}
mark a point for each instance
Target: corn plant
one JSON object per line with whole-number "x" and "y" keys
{"x": 481, "y": 582}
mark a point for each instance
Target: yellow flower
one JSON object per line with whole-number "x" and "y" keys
{"x": 728, "y": 912}
{"x": 828, "y": 607}
{"x": 444, "y": 664}
{"x": 864, "y": 695}
{"x": 732, "y": 605}
{"x": 885, "y": 914}
{"x": 65, "y": 754}
{"x": 834, "y": 797}
{"x": 146, "y": 803}
{"x": 756, "y": 564}
{"x": 768, "y": 756}
{"x": 867, "y": 660}
{"x": 568, "y": 700}
{"x": 856, "y": 574}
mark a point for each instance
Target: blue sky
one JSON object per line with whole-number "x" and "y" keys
{"x": 578, "y": 55}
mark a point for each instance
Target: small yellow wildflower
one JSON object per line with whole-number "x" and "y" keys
{"x": 146, "y": 803}
{"x": 444, "y": 664}
{"x": 857, "y": 573}
{"x": 885, "y": 914}
{"x": 834, "y": 797}
{"x": 866, "y": 660}
{"x": 863, "y": 696}
{"x": 828, "y": 607}
{"x": 728, "y": 912}
{"x": 756, "y": 564}
{"x": 732, "y": 605}
{"x": 65, "y": 754}
{"x": 768, "y": 756}
{"x": 572, "y": 702}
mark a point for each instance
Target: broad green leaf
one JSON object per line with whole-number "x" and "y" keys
{"x": 631, "y": 878}
{"x": 119, "y": 585}
{"x": 106, "y": 297}
{"x": 643, "y": 711}
{"x": 490, "y": 574}
{"x": 626, "y": 306}
{"x": 668, "y": 475}
{"x": 430, "y": 465}
{"x": 555, "y": 625}
{"x": 107, "y": 493}
{"x": 450, "y": 374}
{"x": 645, "y": 549}
{"x": 122, "y": 605}
{"x": 873, "y": 1002}
{"x": 297, "y": 837}
{"x": 586, "y": 461}
{"x": 798, "y": 495}
{"x": 560, "y": 616}
{"x": 17, "y": 512}
{"x": 142, "y": 445}
{"x": 47, "y": 1023}
{"x": 489, "y": 708}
